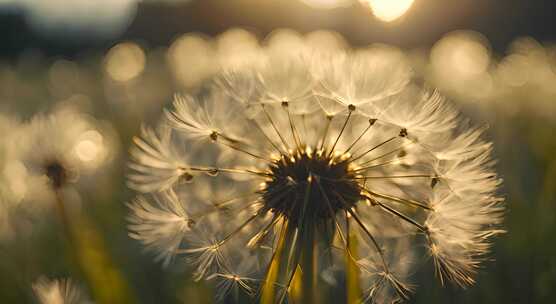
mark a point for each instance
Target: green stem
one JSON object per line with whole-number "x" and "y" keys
{"x": 308, "y": 265}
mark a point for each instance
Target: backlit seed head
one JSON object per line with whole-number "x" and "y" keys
{"x": 331, "y": 153}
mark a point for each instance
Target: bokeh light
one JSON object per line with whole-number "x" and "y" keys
{"x": 465, "y": 52}
{"x": 460, "y": 62}
{"x": 90, "y": 148}
{"x": 125, "y": 61}
{"x": 388, "y": 10}
{"x": 237, "y": 47}
{"x": 191, "y": 59}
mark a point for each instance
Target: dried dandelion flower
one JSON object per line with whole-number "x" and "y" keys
{"x": 60, "y": 148}
{"x": 63, "y": 291}
{"x": 309, "y": 164}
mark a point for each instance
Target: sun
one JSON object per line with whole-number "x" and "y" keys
{"x": 388, "y": 10}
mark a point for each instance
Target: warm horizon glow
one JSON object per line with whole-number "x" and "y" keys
{"x": 388, "y": 10}
{"x": 327, "y": 4}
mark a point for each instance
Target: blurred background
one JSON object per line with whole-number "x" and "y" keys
{"x": 104, "y": 67}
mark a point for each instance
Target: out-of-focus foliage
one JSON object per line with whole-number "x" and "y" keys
{"x": 110, "y": 94}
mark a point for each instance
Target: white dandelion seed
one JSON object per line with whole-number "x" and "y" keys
{"x": 336, "y": 160}
{"x": 154, "y": 154}
{"x": 62, "y": 291}
{"x": 160, "y": 225}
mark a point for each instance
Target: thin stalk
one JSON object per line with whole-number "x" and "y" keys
{"x": 341, "y": 132}
{"x": 274, "y": 127}
{"x": 325, "y": 133}
{"x": 399, "y": 200}
{"x": 374, "y": 148}
{"x": 244, "y": 151}
{"x": 403, "y": 216}
{"x": 371, "y": 123}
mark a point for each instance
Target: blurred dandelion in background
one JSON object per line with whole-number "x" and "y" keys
{"x": 57, "y": 149}
{"x": 307, "y": 163}
{"x": 60, "y": 291}
{"x": 55, "y": 157}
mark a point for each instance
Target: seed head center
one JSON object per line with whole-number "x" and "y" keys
{"x": 312, "y": 185}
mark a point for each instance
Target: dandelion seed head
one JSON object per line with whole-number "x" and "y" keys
{"x": 334, "y": 150}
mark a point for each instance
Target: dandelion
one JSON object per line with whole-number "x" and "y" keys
{"x": 59, "y": 149}
{"x": 337, "y": 163}
{"x": 53, "y": 157}
{"x": 62, "y": 291}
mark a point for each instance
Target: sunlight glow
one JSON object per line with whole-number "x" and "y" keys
{"x": 125, "y": 61}
{"x": 388, "y": 10}
{"x": 464, "y": 53}
{"x": 90, "y": 147}
{"x": 327, "y": 4}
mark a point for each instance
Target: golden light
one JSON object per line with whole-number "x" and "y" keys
{"x": 191, "y": 59}
{"x": 90, "y": 148}
{"x": 463, "y": 53}
{"x": 327, "y": 4}
{"x": 125, "y": 61}
{"x": 388, "y": 10}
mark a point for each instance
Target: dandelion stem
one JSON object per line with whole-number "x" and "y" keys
{"x": 308, "y": 264}
{"x": 62, "y": 212}
{"x": 293, "y": 258}
{"x": 333, "y": 216}
{"x": 273, "y": 270}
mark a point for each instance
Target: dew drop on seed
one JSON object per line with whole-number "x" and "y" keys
{"x": 213, "y": 172}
